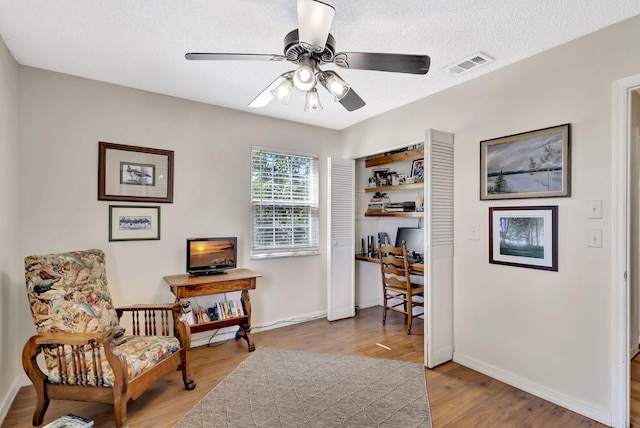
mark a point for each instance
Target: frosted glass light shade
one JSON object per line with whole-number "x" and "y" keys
{"x": 283, "y": 91}
{"x": 313, "y": 101}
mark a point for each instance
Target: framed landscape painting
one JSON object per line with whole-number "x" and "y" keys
{"x": 535, "y": 164}
{"x": 524, "y": 237}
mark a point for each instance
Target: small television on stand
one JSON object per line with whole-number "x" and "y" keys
{"x": 211, "y": 256}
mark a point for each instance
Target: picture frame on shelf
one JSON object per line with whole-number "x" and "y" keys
{"x": 134, "y": 223}
{"x": 417, "y": 170}
{"x": 383, "y": 177}
{"x": 534, "y": 164}
{"x": 135, "y": 174}
{"x": 524, "y": 236}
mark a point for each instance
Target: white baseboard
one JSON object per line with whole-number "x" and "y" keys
{"x": 369, "y": 303}
{"x": 18, "y": 382}
{"x": 598, "y": 414}
{"x": 230, "y": 332}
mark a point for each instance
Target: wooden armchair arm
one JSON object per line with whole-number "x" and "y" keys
{"x": 72, "y": 339}
{"x": 151, "y": 307}
{"x": 78, "y": 353}
{"x": 155, "y": 324}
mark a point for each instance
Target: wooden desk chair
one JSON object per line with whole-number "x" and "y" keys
{"x": 398, "y": 290}
{"x": 87, "y": 355}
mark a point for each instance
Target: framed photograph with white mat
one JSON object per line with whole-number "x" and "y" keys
{"x": 134, "y": 223}
{"x": 135, "y": 174}
{"x": 524, "y": 237}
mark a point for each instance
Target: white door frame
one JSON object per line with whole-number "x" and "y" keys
{"x": 621, "y": 159}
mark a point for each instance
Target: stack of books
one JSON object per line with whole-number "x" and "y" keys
{"x": 398, "y": 207}
{"x": 377, "y": 202}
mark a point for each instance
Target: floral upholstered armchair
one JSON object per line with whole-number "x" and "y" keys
{"x": 86, "y": 354}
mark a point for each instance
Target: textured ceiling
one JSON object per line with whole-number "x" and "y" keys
{"x": 141, "y": 43}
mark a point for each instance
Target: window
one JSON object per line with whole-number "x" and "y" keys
{"x": 284, "y": 203}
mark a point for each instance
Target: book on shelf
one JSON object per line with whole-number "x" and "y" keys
{"x": 194, "y": 314}
{"x": 70, "y": 421}
{"x": 221, "y": 310}
{"x": 400, "y": 206}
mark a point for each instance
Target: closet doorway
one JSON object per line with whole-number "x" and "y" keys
{"x": 626, "y": 241}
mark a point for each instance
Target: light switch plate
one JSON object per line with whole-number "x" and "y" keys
{"x": 594, "y": 209}
{"x": 474, "y": 233}
{"x": 594, "y": 238}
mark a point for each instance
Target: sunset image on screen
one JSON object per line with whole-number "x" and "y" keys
{"x": 208, "y": 253}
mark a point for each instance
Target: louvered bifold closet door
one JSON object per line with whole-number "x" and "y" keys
{"x": 439, "y": 249}
{"x": 341, "y": 239}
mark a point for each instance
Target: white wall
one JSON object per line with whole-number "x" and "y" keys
{"x": 546, "y": 332}
{"x": 62, "y": 120}
{"x": 10, "y": 259}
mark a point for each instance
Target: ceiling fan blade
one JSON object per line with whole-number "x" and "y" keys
{"x": 234, "y": 57}
{"x": 352, "y": 101}
{"x": 314, "y": 23}
{"x": 397, "y": 63}
{"x": 265, "y": 97}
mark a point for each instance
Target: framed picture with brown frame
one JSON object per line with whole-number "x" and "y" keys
{"x": 137, "y": 174}
{"x": 524, "y": 237}
{"x": 535, "y": 164}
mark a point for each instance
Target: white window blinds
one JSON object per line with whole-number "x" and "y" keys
{"x": 284, "y": 201}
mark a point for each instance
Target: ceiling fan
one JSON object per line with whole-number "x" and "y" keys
{"x": 310, "y": 46}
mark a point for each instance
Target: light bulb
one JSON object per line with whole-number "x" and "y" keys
{"x": 304, "y": 78}
{"x": 334, "y": 84}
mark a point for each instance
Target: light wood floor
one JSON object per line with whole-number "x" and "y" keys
{"x": 458, "y": 396}
{"x": 634, "y": 399}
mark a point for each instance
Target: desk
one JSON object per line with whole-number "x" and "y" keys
{"x": 418, "y": 268}
{"x": 185, "y": 286}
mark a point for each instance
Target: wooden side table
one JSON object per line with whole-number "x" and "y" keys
{"x": 185, "y": 286}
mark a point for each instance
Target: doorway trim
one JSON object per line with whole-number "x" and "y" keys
{"x": 621, "y": 160}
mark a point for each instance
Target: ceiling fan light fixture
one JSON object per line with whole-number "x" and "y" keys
{"x": 313, "y": 101}
{"x": 334, "y": 84}
{"x": 304, "y": 78}
{"x": 283, "y": 91}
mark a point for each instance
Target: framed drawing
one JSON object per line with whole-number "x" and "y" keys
{"x": 535, "y": 164}
{"x": 524, "y": 237}
{"x": 131, "y": 173}
{"x": 134, "y": 223}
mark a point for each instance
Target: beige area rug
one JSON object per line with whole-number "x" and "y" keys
{"x": 281, "y": 388}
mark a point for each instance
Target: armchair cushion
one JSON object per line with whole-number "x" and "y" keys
{"x": 140, "y": 352}
{"x": 68, "y": 293}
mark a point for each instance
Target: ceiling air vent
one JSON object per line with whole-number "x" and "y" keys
{"x": 470, "y": 63}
